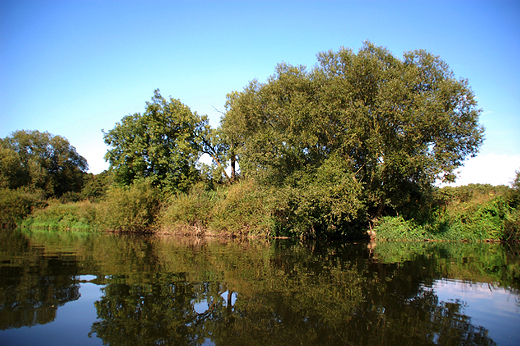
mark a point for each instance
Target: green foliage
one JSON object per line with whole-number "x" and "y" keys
{"x": 512, "y": 225}
{"x": 236, "y": 210}
{"x": 397, "y": 228}
{"x": 322, "y": 201}
{"x": 15, "y": 205}
{"x": 190, "y": 212}
{"x": 12, "y": 172}
{"x": 514, "y": 193}
{"x": 516, "y": 183}
{"x": 473, "y": 212}
{"x": 162, "y": 145}
{"x": 96, "y": 186}
{"x": 477, "y": 221}
{"x": 474, "y": 193}
{"x": 396, "y": 125}
{"x": 512, "y": 219}
{"x": 70, "y": 216}
{"x": 39, "y": 160}
{"x": 326, "y": 201}
{"x": 130, "y": 208}
{"x": 244, "y": 211}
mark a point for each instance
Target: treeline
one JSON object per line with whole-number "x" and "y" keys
{"x": 357, "y": 142}
{"x": 36, "y": 166}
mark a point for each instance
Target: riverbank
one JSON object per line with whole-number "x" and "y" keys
{"x": 470, "y": 213}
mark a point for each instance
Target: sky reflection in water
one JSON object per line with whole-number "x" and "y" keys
{"x": 487, "y": 304}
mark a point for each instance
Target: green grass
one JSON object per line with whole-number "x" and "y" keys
{"x": 80, "y": 216}
{"x": 473, "y": 212}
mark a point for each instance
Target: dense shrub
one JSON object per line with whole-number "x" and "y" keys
{"x": 15, "y": 205}
{"x": 472, "y": 212}
{"x": 190, "y": 212}
{"x": 397, "y": 228}
{"x": 96, "y": 186}
{"x": 311, "y": 203}
{"x": 239, "y": 209}
{"x": 243, "y": 210}
{"x": 322, "y": 201}
{"x": 68, "y": 216}
{"x": 130, "y": 208}
{"x": 512, "y": 225}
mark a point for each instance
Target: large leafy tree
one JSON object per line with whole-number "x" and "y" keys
{"x": 40, "y": 160}
{"x": 396, "y": 125}
{"x": 163, "y": 145}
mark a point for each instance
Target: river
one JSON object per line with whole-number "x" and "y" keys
{"x": 82, "y": 288}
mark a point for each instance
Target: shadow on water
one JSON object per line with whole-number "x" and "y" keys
{"x": 180, "y": 291}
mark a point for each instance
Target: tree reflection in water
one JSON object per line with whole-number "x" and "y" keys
{"x": 178, "y": 291}
{"x": 314, "y": 295}
{"x": 32, "y": 287}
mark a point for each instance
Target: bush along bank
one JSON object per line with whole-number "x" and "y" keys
{"x": 238, "y": 210}
{"x": 474, "y": 212}
{"x": 15, "y": 205}
{"x": 131, "y": 208}
{"x": 245, "y": 209}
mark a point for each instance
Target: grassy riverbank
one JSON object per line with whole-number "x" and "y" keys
{"x": 473, "y": 212}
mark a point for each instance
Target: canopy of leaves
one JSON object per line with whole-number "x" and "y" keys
{"x": 397, "y": 125}
{"x": 163, "y": 145}
{"x": 39, "y": 160}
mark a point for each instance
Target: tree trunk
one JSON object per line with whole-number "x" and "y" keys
{"x": 233, "y": 168}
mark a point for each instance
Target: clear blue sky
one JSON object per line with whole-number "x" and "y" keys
{"x": 75, "y": 67}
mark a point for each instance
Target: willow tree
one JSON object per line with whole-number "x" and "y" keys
{"x": 394, "y": 126}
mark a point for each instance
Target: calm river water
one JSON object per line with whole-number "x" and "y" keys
{"x": 61, "y": 288}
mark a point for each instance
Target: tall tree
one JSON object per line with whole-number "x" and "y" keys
{"x": 41, "y": 160}
{"x": 398, "y": 125}
{"x": 163, "y": 144}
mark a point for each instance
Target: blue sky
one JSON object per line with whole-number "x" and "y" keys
{"x": 74, "y": 68}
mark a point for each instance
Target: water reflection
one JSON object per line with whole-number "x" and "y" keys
{"x": 489, "y": 305}
{"x": 32, "y": 287}
{"x": 166, "y": 291}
